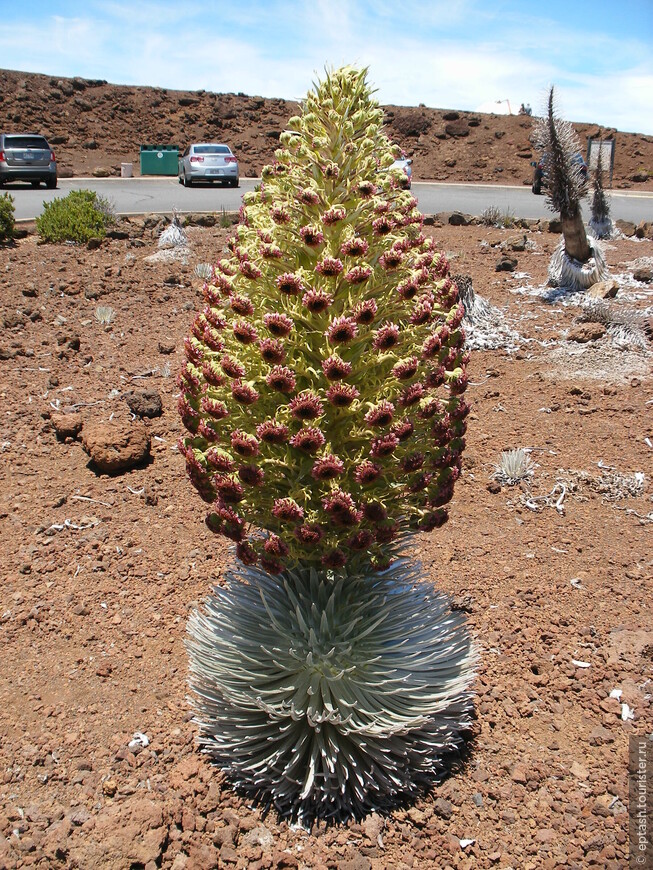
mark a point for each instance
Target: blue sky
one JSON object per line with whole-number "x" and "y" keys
{"x": 462, "y": 54}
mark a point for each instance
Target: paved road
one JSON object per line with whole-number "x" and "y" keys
{"x": 143, "y": 195}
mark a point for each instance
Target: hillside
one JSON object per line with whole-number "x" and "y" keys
{"x": 94, "y": 126}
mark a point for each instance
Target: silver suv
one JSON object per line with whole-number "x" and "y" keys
{"x": 27, "y": 157}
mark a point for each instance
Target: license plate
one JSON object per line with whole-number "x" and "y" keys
{"x": 214, "y": 172}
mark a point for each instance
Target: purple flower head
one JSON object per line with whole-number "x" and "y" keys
{"x": 358, "y": 275}
{"x": 362, "y": 540}
{"x": 428, "y": 409}
{"x": 407, "y": 289}
{"x": 384, "y": 445}
{"x": 355, "y": 247}
{"x": 335, "y": 558}
{"x": 289, "y": 284}
{"x": 244, "y": 332}
{"x": 421, "y": 313}
{"x": 218, "y": 460}
{"x": 280, "y": 325}
{"x": 243, "y": 393}
{"x": 433, "y": 520}
{"x": 251, "y": 475}
{"x": 274, "y": 546}
{"x": 459, "y": 385}
{"x": 381, "y": 414}
{"x": 383, "y": 225}
{"x": 306, "y": 406}
{"x": 431, "y": 347}
{"x": 342, "y": 508}
{"x": 317, "y": 301}
{"x": 249, "y": 270}
{"x": 206, "y": 430}
{"x": 188, "y": 378}
{"x": 212, "y": 339}
{"x": 333, "y": 216}
{"x": 193, "y": 350}
{"x": 244, "y": 444}
{"x": 272, "y": 432}
{"x": 367, "y": 472}
{"x": 232, "y": 367}
{"x": 270, "y": 252}
{"x": 331, "y": 170}
{"x": 272, "y": 351}
{"x": 308, "y": 196}
{"x": 242, "y": 305}
{"x": 411, "y": 395}
{"x": 309, "y": 534}
{"x": 435, "y": 378}
{"x": 341, "y": 330}
{"x": 282, "y": 379}
{"x": 420, "y": 482}
{"x": 365, "y": 312}
{"x": 412, "y": 462}
{"x": 403, "y": 429}
{"x": 246, "y": 553}
{"x": 386, "y": 337}
{"x": 328, "y": 467}
{"x": 189, "y": 416}
{"x": 287, "y": 509}
{"x": 279, "y": 215}
{"x": 215, "y": 409}
{"x": 230, "y": 490}
{"x": 329, "y": 266}
{"x": 386, "y": 534}
{"x": 342, "y": 395}
{"x": 309, "y": 439}
{"x": 405, "y": 368}
{"x": 374, "y": 511}
{"x": 442, "y": 266}
{"x": 391, "y": 260}
{"x": 366, "y": 189}
{"x": 312, "y": 236}
{"x": 272, "y": 566}
{"x": 336, "y": 368}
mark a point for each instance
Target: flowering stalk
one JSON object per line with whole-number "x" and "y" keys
{"x": 329, "y": 354}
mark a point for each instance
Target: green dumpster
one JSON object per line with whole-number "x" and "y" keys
{"x": 159, "y": 159}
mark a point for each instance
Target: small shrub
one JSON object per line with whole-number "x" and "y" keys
{"x": 78, "y": 217}
{"x": 7, "y": 220}
{"x": 513, "y": 467}
{"x": 104, "y": 314}
{"x": 494, "y": 217}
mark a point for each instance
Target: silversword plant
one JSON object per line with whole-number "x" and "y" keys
{"x": 323, "y": 396}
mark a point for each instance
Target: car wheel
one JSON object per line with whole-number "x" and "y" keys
{"x": 187, "y": 181}
{"x": 233, "y": 182}
{"x": 35, "y": 183}
{"x": 51, "y": 183}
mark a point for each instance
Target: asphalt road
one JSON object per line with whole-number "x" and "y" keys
{"x": 161, "y": 194}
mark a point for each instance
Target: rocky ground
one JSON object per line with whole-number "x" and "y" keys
{"x": 95, "y": 126}
{"x": 98, "y": 762}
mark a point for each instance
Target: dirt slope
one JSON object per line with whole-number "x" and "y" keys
{"x": 99, "y": 574}
{"x": 96, "y": 126}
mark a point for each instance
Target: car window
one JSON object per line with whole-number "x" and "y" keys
{"x": 26, "y": 142}
{"x": 211, "y": 149}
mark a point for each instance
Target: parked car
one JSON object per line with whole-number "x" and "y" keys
{"x": 208, "y": 161}
{"x": 539, "y": 175}
{"x": 27, "y": 157}
{"x": 406, "y": 164}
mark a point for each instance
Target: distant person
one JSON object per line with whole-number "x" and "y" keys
{"x": 528, "y": 109}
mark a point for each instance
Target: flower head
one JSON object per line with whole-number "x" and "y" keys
{"x": 309, "y": 439}
{"x": 243, "y": 393}
{"x": 381, "y": 414}
{"x": 328, "y": 467}
{"x": 272, "y": 432}
{"x": 280, "y": 325}
{"x": 306, "y": 406}
{"x": 342, "y": 395}
{"x": 329, "y": 266}
{"x": 289, "y": 284}
{"x": 287, "y": 509}
{"x": 365, "y": 312}
{"x": 244, "y": 444}
{"x": 336, "y": 368}
{"x": 354, "y": 247}
{"x": 386, "y": 337}
{"x": 282, "y": 379}
{"x": 312, "y": 236}
{"x": 341, "y": 330}
{"x": 317, "y": 301}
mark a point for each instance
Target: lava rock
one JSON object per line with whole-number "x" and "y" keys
{"x": 506, "y": 264}
{"x": 144, "y": 403}
{"x": 117, "y": 445}
{"x": 584, "y": 332}
{"x": 604, "y": 289}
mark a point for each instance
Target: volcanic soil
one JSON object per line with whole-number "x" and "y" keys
{"x": 98, "y": 761}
